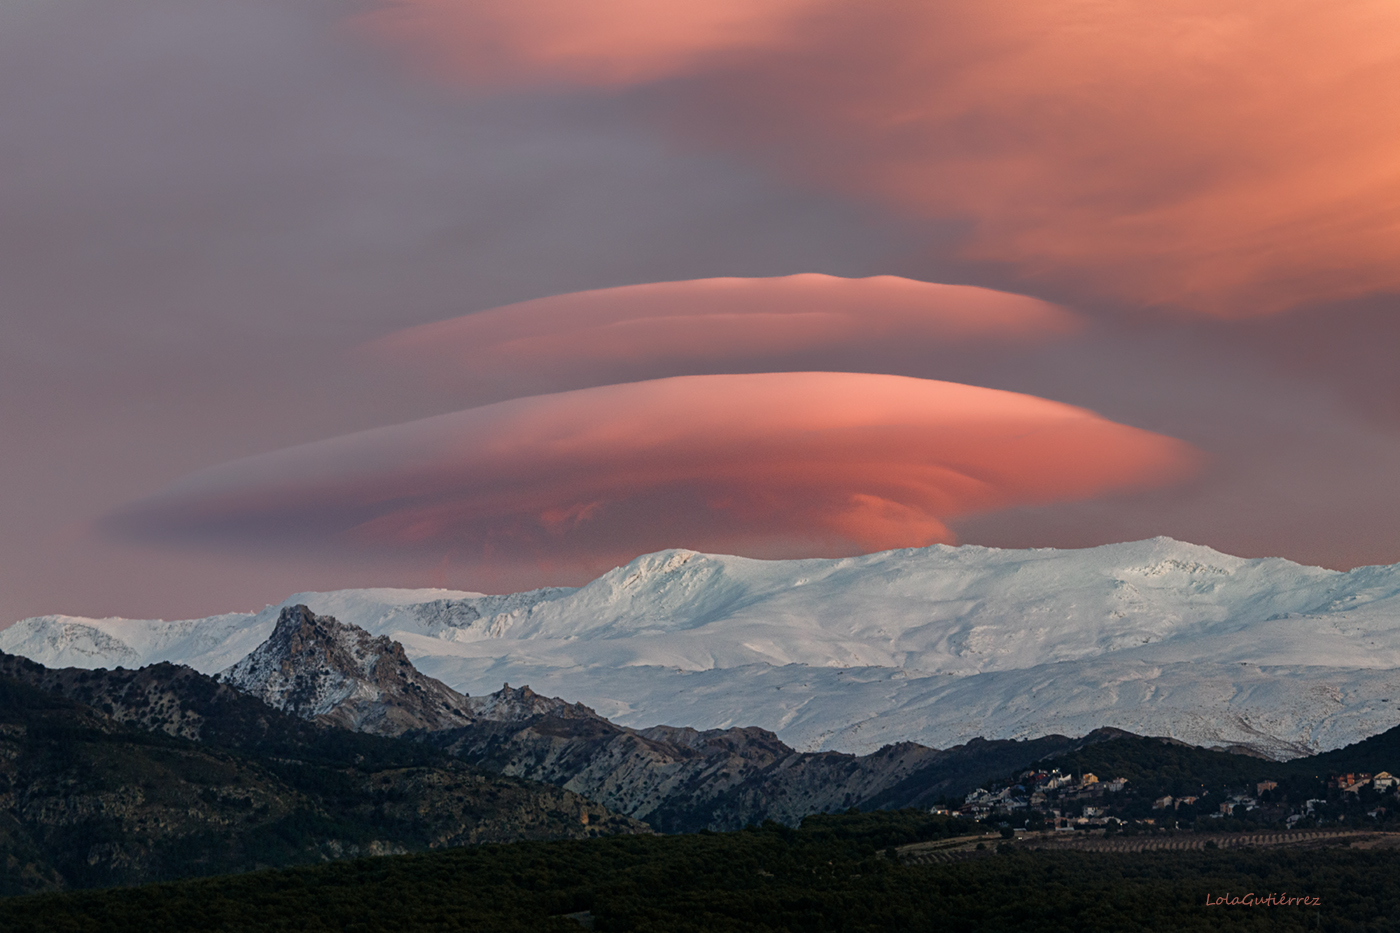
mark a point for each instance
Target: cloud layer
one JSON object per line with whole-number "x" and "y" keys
{"x": 728, "y": 325}
{"x": 1233, "y": 158}
{"x": 772, "y": 465}
{"x": 205, "y": 205}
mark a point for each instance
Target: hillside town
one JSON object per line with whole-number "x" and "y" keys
{"x": 1044, "y": 800}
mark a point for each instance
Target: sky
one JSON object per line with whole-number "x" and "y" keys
{"x": 491, "y": 294}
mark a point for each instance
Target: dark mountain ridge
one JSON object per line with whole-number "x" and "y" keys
{"x": 684, "y": 780}
{"x": 164, "y": 773}
{"x": 1165, "y": 766}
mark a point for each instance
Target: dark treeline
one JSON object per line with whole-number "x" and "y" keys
{"x": 835, "y": 873}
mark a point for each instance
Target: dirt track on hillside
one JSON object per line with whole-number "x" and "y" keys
{"x": 947, "y": 850}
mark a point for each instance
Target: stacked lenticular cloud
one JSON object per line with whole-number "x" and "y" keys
{"x": 681, "y": 414}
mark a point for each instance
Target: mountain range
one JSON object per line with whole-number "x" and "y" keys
{"x": 127, "y": 776}
{"x": 935, "y": 645}
{"x": 325, "y": 741}
{"x": 676, "y": 779}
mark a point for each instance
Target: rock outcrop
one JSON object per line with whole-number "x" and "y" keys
{"x": 321, "y": 669}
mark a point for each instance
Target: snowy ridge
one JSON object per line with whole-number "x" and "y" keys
{"x": 935, "y": 645}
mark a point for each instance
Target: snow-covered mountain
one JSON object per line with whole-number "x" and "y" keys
{"x": 934, "y": 645}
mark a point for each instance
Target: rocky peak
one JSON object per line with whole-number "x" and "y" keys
{"x": 517, "y": 704}
{"x": 325, "y": 670}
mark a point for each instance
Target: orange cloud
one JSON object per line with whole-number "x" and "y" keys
{"x": 710, "y": 325}
{"x": 772, "y": 464}
{"x": 1235, "y": 157}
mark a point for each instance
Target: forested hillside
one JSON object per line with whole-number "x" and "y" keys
{"x": 835, "y": 873}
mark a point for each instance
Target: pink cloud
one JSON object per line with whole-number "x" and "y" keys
{"x": 711, "y": 325}
{"x": 775, "y": 464}
{"x": 1233, "y": 157}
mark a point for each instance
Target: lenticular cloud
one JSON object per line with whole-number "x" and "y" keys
{"x": 636, "y": 332}
{"x": 771, "y": 465}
